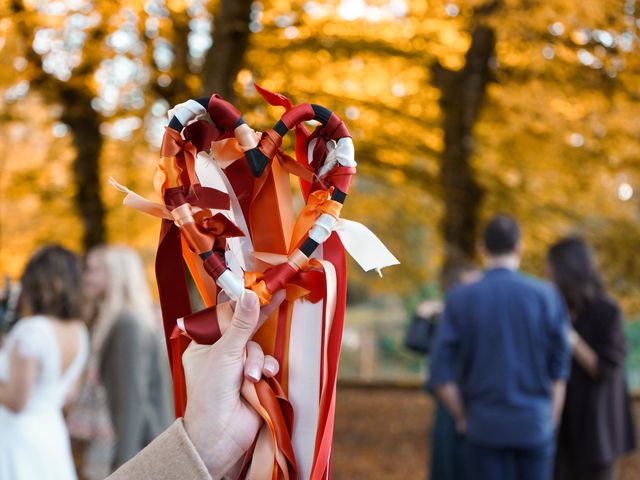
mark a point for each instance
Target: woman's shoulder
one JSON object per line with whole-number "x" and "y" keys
{"x": 31, "y": 320}
{"x": 26, "y": 325}
{"x": 606, "y": 304}
{"x": 32, "y": 334}
{"x": 602, "y": 308}
{"x": 127, "y": 327}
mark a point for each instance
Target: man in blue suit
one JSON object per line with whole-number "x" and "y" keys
{"x": 501, "y": 362}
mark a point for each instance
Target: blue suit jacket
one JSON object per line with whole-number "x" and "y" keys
{"x": 504, "y": 340}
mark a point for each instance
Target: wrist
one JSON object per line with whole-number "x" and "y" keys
{"x": 209, "y": 448}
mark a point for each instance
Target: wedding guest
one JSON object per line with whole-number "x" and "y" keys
{"x": 127, "y": 350}
{"x": 596, "y": 427}
{"x": 446, "y": 455}
{"x": 500, "y": 363}
{"x": 40, "y": 361}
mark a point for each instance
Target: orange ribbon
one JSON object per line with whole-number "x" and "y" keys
{"x": 292, "y": 166}
{"x": 175, "y": 150}
{"x": 306, "y": 284}
{"x": 319, "y": 202}
{"x": 255, "y": 281}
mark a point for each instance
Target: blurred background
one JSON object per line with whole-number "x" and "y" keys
{"x": 458, "y": 110}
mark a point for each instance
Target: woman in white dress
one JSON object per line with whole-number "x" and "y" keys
{"x": 40, "y": 362}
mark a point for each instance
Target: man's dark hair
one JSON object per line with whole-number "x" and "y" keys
{"x": 501, "y": 235}
{"x": 52, "y": 284}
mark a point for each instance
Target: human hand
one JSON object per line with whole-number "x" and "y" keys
{"x": 429, "y": 308}
{"x": 221, "y": 425}
{"x": 461, "y": 425}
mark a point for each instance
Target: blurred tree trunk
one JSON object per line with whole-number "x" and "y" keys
{"x": 230, "y": 40}
{"x": 83, "y": 121}
{"x": 84, "y": 124}
{"x": 463, "y": 93}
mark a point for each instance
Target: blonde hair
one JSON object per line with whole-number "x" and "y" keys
{"x": 126, "y": 290}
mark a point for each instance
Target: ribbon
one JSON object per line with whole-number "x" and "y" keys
{"x": 364, "y": 246}
{"x": 140, "y": 203}
{"x": 319, "y": 202}
{"x": 225, "y": 214}
{"x": 177, "y": 162}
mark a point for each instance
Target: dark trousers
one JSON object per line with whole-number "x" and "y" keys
{"x": 486, "y": 463}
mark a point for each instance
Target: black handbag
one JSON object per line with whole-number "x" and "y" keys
{"x": 421, "y": 334}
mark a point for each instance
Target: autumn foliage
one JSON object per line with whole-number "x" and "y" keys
{"x": 541, "y": 121}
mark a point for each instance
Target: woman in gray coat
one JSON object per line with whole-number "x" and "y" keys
{"x": 129, "y": 353}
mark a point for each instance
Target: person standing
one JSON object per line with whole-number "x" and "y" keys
{"x": 596, "y": 426}
{"x": 446, "y": 457}
{"x": 127, "y": 348}
{"x": 40, "y": 361}
{"x": 508, "y": 336}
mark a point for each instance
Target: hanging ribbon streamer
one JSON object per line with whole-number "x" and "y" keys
{"x": 227, "y": 214}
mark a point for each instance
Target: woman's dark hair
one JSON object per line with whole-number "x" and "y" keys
{"x": 52, "y": 284}
{"x": 575, "y": 272}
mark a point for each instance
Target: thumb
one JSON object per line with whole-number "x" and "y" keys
{"x": 243, "y": 323}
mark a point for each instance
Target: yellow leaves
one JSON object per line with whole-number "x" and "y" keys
{"x": 193, "y": 82}
{"x": 177, "y": 5}
{"x": 376, "y": 75}
{"x": 433, "y": 139}
{"x": 571, "y": 110}
{"x": 244, "y": 76}
{"x": 458, "y": 43}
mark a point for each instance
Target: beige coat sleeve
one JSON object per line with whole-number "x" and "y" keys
{"x": 170, "y": 456}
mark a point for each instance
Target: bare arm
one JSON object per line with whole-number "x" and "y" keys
{"x": 584, "y": 355}
{"x": 558, "y": 391}
{"x": 73, "y": 394}
{"x": 449, "y": 394}
{"x": 23, "y": 372}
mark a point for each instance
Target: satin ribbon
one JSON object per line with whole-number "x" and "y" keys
{"x": 364, "y": 246}
{"x": 177, "y": 162}
{"x": 138, "y": 202}
{"x": 262, "y": 207}
{"x": 333, "y": 254}
{"x": 319, "y": 202}
{"x": 306, "y": 284}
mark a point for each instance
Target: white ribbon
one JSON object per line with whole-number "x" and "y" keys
{"x": 211, "y": 175}
{"x": 364, "y": 246}
{"x": 138, "y": 202}
{"x": 187, "y": 111}
{"x": 338, "y": 153}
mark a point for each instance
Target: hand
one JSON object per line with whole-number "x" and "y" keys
{"x": 429, "y": 308}
{"x": 461, "y": 425}
{"x": 221, "y": 425}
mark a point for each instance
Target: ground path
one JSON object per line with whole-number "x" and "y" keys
{"x": 381, "y": 433}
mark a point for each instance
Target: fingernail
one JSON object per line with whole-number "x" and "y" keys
{"x": 269, "y": 368}
{"x": 248, "y": 300}
{"x": 253, "y": 372}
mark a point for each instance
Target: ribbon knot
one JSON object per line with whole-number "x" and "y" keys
{"x": 319, "y": 202}
{"x": 308, "y": 283}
